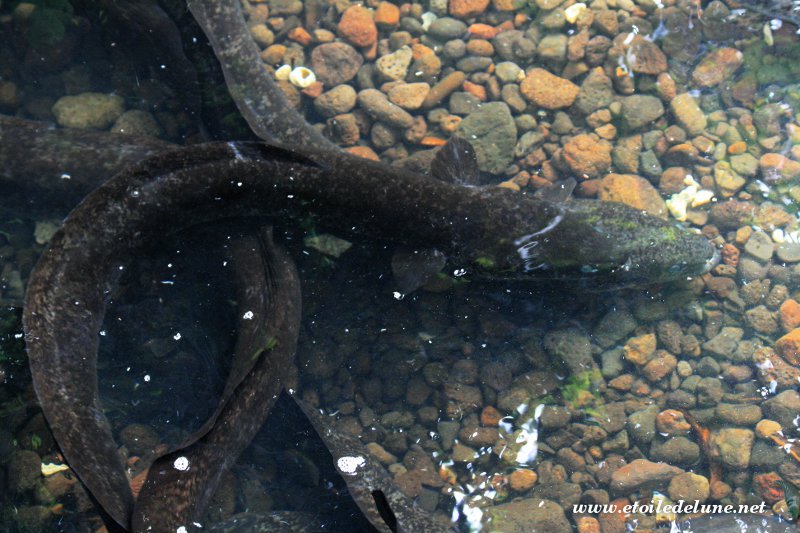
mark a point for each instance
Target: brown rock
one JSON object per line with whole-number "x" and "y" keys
{"x": 790, "y": 314}
{"x": 358, "y": 27}
{"x": 717, "y": 66}
{"x": 688, "y": 114}
{"x": 335, "y": 63}
{"x": 777, "y": 167}
{"x": 587, "y": 156}
{"x": 522, "y": 479}
{"x": 548, "y": 90}
{"x": 639, "y": 350}
{"x": 634, "y": 191}
{"x": 642, "y": 474}
{"x": 672, "y": 422}
{"x": 442, "y": 90}
{"x": 660, "y": 366}
{"x": 721, "y": 287}
{"x": 772, "y": 368}
{"x": 672, "y": 180}
{"x": 463, "y": 9}
{"x": 689, "y": 487}
{"x": 409, "y": 96}
{"x": 641, "y": 56}
{"x": 732, "y": 446}
{"x": 788, "y": 347}
{"x": 387, "y": 15}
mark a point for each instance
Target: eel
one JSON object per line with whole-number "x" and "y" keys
{"x": 50, "y": 170}
{"x": 180, "y": 484}
{"x": 491, "y": 232}
{"x": 260, "y": 101}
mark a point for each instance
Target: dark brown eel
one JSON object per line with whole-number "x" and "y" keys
{"x": 65, "y": 304}
{"x": 180, "y": 484}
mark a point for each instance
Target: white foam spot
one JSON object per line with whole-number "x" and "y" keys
{"x": 181, "y": 463}
{"x": 349, "y": 465}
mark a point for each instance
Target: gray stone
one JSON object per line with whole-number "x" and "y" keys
{"x": 639, "y": 110}
{"x": 508, "y": 71}
{"x": 784, "y": 409}
{"x": 641, "y": 425}
{"x": 380, "y": 108}
{"x": 744, "y": 164}
{"x": 677, "y": 450}
{"x": 724, "y": 343}
{"x": 642, "y": 474}
{"x": 493, "y": 134}
{"x": 524, "y": 516}
{"x": 760, "y": 246}
{"x": 447, "y": 28}
{"x": 572, "y": 347}
{"x": 615, "y": 325}
{"x": 612, "y": 363}
{"x": 731, "y": 446}
{"x": 788, "y": 252}
{"x": 463, "y": 103}
{"x": 739, "y": 415}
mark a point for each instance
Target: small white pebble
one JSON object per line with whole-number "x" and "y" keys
{"x": 573, "y": 12}
{"x": 302, "y": 77}
{"x": 702, "y": 197}
{"x": 282, "y": 74}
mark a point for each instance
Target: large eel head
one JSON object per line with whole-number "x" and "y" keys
{"x": 599, "y": 246}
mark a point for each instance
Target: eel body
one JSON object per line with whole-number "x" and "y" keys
{"x": 49, "y": 170}
{"x": 509, "y": 235}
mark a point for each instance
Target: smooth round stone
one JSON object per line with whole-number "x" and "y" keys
{"x": 789, "y": 252}
{"x": 507, "y": 71}
{"x": 760, "y": 246}
{"x": 447, "y": 28}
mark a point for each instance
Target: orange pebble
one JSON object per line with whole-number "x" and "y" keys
{"x": 490, "y": 417}
{"x": 432, "y": 141}
{"x": 300, "y": 35}
{"x": 447, "y": 475}
{"x": 522, "y": 479}
{"x": 521, "y": 19}
{"x": 505, "y": 26}
{"x": 387, "y": 15}
{"x": 478, "y": 91}
{"x": 313, "y": 90}
{"x": 418, "y": 50}
{"x": 363, "y": 151}
{"x": 483, "y": 31}
{"x": 737, "y": 148}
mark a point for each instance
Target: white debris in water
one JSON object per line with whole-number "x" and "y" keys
{"x": 691, "y": 196}
{"x": 302, "y": 77}
{"x": 768, "y": 38}
{"x": 779, "y": 236}
{"x": 44, "y": 230}
{"x": 349, "y": 465}
{"x": 248, "y": 315}
{"x": 48, "y": 469}
{"x": 427, "y": 20}
{"x": 282, "y": 74}
{"x": 181, "y": 463}
{"x": 574, "y": 11}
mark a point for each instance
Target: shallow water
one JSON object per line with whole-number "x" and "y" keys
{"x": 470, "y": 393}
